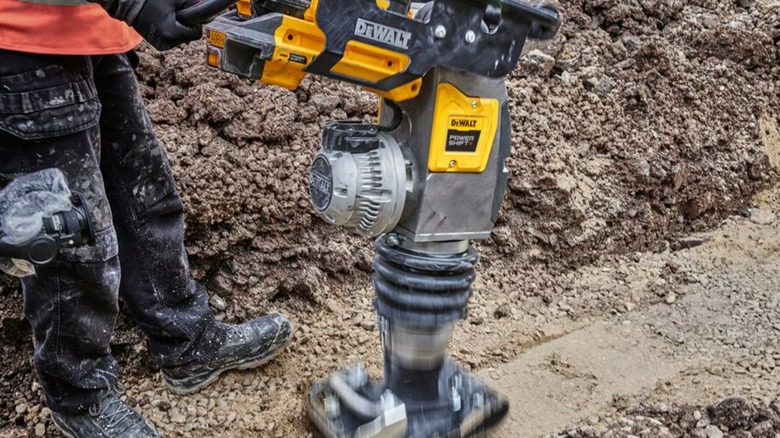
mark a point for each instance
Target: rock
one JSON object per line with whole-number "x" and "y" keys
{"x": 368, "y": 324}
{"x": 259, "y": 425}
{"x": 325, "y": 104}
{"x": 40, "y": 429}
{"x": 536, "y": 63}
{"x": 733, "y": 413}
{"x": 502, "y": 311}
{"x": 692, "y": 241}
{"x": 161, "y": 405}
{"x": 763, "y": 429}
{"x": 601, "y": 85}
{"x": 698, "y": 206}
{"x": 222, "y": 284}
{"x": 177, "y": 417}
{"x": 332, "y": 306}
{"x": 713, "y": 432}
{"x": 218, "y": 303}
{"x": 671, "y": 298}
{"x": 762, "y": 217}
{"x": 640, "y": 167}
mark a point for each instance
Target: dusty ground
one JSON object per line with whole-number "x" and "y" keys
{"x": 644, "y": 125}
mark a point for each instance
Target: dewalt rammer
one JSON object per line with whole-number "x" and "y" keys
{"x": 427, "y": 179}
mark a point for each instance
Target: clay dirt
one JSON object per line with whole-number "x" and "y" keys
{"x": 631, "y": 287}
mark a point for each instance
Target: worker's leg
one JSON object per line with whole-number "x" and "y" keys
{"x": 168, "y": 305}
{"x": 48, "y": 118}
{"x": 190, "y": 346}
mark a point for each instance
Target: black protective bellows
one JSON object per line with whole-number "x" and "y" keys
{"x": 422, "y": 289}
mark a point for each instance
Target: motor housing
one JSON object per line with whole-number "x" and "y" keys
{"x": 359, "y": 178}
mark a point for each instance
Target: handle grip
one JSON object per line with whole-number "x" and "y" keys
{"x": 203, "y": 12}
{"x": 546, "y": 20}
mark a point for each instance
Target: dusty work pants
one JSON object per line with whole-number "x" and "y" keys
{"x": 85, "y": 116}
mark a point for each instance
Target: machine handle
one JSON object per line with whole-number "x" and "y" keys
{"x": 203, "y": 12}
{"x": 545, "y": 18}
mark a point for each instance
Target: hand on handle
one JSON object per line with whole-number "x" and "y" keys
{"x": 158, "y": 23}
{"x": 165, "y": 23}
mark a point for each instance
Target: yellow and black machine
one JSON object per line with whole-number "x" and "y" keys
{"x": 426, "y": 180}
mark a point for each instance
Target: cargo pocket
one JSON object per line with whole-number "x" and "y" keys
{"x": 48, "y": 102}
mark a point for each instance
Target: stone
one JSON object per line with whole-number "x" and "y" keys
{"x": 762, "y": 217}
{"x": 40, "y": 429}
{"x": 733, "y": 413}
{"x": 713, "y": 432}
{"x": 692, "y": 241}
{"x": 218, "y": 303}
{"x": 177, "y": 417}
{"x": 223, "y": 284}
{"x": 368, "y": 324}
{"x": 601, "y": 85}
{"x": 641, "y": 168}
{"x": 161, "y": 405}
{"x": 536, "y": 63}
{"x": 324, "y": 103}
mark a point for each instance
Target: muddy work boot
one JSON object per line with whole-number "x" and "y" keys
{"x": 109, "y": 418}
{"x": 246, "y": 345}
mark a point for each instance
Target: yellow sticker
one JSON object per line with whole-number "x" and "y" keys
{"x": 464, "y": 128}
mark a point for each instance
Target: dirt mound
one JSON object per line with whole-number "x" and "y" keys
{"x": 637, "y": 125}
{"x": 728, "y": 418}
{"x": 645, "y": 128}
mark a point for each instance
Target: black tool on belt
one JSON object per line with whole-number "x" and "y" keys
{"x": 66, "y": 229}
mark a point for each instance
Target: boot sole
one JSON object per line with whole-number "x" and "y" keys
{"x": 62, "y": 427}
{"x": 177, "y": 388}
{"x": 68, "y": 432}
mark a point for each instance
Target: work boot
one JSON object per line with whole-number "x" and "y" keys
{"x": 246, "y": 345}
{"x": 108, "y": 418}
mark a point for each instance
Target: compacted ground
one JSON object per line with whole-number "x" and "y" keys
{"x": 637, "y": 132}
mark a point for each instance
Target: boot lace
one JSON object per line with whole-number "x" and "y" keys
{"x": 111, "y": 408}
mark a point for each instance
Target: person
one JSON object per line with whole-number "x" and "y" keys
{"x": 69, "y": 100}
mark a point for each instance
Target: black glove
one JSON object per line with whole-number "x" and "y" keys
{"x": 156, "y": 22}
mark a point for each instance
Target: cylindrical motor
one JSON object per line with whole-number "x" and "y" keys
{"x": 359, "y": 178}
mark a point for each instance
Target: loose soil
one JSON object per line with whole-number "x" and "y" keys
{"x": 643, "y": 137}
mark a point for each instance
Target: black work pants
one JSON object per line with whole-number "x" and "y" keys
{"x": 85, "y": 116}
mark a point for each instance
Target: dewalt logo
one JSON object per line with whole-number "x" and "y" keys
{"x": 463, "y": 123}
{"x": 383, "y": 34}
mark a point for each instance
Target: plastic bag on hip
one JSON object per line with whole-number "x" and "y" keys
{"x": 26, "y": 200}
